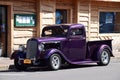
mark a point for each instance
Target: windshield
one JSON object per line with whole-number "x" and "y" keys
{"x": 55, "y": 31}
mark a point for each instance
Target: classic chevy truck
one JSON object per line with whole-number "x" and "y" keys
{"x": 60, "y": 44}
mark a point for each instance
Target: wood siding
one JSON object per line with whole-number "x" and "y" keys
{"x": 64, "y": 4}
{"x": 84, "y": 15}
{"x": 88, "y": 14}
{"x": 47, "y": 10}
{"x": 85, "y": 12}
{"x": 71, "y": 7}
{"x": 96, "y": 7}
{"x": 21, "y": 35}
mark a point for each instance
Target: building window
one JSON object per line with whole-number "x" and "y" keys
{"x": 61, "y": 16}
{"x": 109, "y": 22}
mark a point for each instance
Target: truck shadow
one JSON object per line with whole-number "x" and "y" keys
{"x": 38, "y": 69}
{"x": 78, "y": 66}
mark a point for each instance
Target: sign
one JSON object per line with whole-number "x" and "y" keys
{"x": 25, "y": 20}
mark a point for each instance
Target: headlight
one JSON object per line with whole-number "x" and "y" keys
{"x": 41, "y": 47}
{"x": 21, "y": 48}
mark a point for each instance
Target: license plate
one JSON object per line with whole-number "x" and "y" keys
{"x": 27, "y": 61}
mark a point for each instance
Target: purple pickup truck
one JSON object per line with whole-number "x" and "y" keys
{"x": 60, "y": 44}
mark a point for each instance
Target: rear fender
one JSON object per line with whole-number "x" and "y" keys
{"x": 100, "y": 49}
{"x": 18, "y": 54}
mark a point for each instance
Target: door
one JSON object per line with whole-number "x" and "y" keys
{"x": 77, "y": 45}
{"x": 61, "y": 16}
{"x": 3, "y": 30}
{"x": 107, "y": 22}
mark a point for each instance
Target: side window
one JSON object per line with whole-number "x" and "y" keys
{"x": 76, "y": 32}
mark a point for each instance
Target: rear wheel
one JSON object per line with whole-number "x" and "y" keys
{"x": 104, "y": 57}
{"x": 54, "y": 61}
{"x": 18, "y": 66}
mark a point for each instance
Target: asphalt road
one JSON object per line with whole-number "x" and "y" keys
{"x": 82, "y": 72}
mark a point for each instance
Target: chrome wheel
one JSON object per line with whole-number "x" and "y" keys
{"x": 55, "y": 61}
{"x": 104, "y": 57}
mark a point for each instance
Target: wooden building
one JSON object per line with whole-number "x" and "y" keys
{"x": 23, "y": 19}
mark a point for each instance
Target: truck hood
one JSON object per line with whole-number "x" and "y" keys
{"x": 51, "y": 39}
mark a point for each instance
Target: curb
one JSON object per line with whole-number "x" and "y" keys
{"x": 4, "y": 67}
{"x": 5, "y": 64}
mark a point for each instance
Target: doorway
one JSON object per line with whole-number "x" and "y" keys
{"x": 3, "y": 31}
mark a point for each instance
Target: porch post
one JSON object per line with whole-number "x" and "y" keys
{"x": 38, "y": 18}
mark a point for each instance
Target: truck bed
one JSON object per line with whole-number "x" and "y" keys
{"x": 93, "y": 46}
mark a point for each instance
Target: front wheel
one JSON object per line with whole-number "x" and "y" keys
{"x": 18, "y": 66}
{"x": 54, "y": 62}
{"x": 104, "y": 57}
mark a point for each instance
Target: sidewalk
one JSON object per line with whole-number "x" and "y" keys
{"x": 6, "y": 63}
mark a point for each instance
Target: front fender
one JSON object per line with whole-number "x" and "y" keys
{"x": 18, "y": 54}
{"x": 52, "y": 51}
{"x": 48, "y": 53}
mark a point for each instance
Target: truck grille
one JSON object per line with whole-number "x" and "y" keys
{"x": 31, "y": 49}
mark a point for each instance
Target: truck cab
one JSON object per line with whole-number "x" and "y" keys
{"x": 62, "y": 43}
